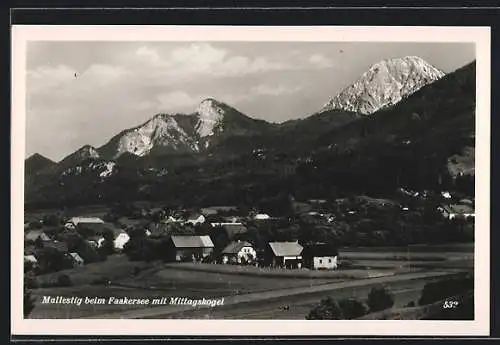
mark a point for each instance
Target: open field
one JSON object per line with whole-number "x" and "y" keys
{"x": 249, "y": 292}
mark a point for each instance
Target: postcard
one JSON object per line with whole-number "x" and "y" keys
{"x": 250, "y": 180}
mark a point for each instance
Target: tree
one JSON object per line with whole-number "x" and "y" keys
{"x": 380, "y": 298}
{"x": 64, "y": 280}
{"x": 108, "y": 246}
{"x": 327, "y": 309}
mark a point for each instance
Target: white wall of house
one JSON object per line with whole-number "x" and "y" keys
{"x": 121, "y": 240}
{"x": 327, "y": 262}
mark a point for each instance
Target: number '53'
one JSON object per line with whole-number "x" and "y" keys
{"x": 450, "y": 304}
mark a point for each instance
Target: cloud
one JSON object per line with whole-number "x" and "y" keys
{"x": 320, "y": 61}
{"x": 178, "y": 101}
{"x": 264, "y": 89}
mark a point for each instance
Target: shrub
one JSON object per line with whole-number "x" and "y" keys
{"x": 380, "y": 298}
{"x": 64, "y": 280}
{"x": 352, "y": 308}
{"x": 442, "y": 289}
{"x": 410, "y": 304}
{"x": 327, "y": 309}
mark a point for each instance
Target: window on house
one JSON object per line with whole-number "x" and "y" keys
{"x": 320, "y": 261}
{"x": 330, "y": 260}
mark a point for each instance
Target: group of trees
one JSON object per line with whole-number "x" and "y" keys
{"x": 379, "y": 298}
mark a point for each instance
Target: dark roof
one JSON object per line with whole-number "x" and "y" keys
{"x": 93, "y": 228}
{"x": 320, "y": 249}
{"x": 286, "y": 248}
{"x": 59, "y": 246}
{"x": 234, "y": 229}
{"x": 192, "y": 241}
{"x": 235, "y": 247}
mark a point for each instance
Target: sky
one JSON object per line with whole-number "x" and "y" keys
{"x": 119, "y": 85}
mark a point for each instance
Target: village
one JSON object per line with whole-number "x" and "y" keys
{"x": 308, "y": 237}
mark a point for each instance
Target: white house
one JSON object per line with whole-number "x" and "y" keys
{"x": 239, "y": 252}
{"x": 320, "y": 256}
{"x": 261, "y": 216}
{"x": 121, "y": 238}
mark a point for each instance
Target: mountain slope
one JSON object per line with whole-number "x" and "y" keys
{"x": 409, "y": 144}
{"x": 180, "y": 134}
{"x": 385, "y": 84}
{"x": 36, "y": 163}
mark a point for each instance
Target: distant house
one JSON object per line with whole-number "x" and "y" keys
{"x": 189, "y": 248}
{"x": 261, "y": 216}
{"x": 95, "y": 241}
{"x": 453, "y": 211}
{"x": 72, "y": 223}
{"x": 34, "y": 235}
{"x": 76, "y": 259}
{"x": 317, "y": 201}
{"x": 195, "y": 218}
{"x": 238, "y": 252}
{"x": 31, "y": 259}
{"x": 320, "y": 256}
{"x": 120, "y": 238}
{"x": 212, "y": 210}
{"x": 283, "y": 254}
{"x": 446, "y": 195}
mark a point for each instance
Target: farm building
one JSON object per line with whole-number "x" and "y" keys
{"x": 77, "y": 259}
{"x": 238, "y": 252}
{"x": 261, "y": 216}
{"x": 283, "y": 254}
{"x": 72, "y": 223}
{"x": 320, "y": 256}
{"x": 189, "y": 248}
{"x": 34, "y": 235}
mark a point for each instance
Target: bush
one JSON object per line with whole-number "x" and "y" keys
{"x": 64, "y": 280}
{"x": 380, "y": 298}
{"x": 442, "y": 289}
{"x": 328, "y": 309}
{"x": 410, "y": 304}
{"x": 352, "y": 308}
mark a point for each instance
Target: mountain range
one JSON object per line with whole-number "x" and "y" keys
{"x": 383, "y": 104}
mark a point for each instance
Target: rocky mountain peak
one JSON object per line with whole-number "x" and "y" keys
{"x": 210, "y": 117}
{"x": 384, "y": 84}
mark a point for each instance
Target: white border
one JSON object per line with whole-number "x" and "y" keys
{"x": 478, "y": 35}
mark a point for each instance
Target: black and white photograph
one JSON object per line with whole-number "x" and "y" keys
{"x": 218, "y": 177}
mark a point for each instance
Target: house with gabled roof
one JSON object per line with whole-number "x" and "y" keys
{"x": 73, "y": 222}
{"x": 76, "y": 259}
{"x": 239, "y": 252}
{"x": 283, "y": 254}
{"x": 456, "y": 210}
{"x": 320, "y": 256}
{"x": 189, "y": 248}
{"x": 34, "y": 235}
